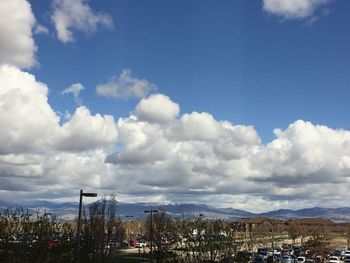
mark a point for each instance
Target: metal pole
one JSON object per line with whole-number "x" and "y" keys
{"x": 128, "y": 223}
{"x": 151, "y": 240}
{"x": 273, "y": 243}
{"x": 78, "y": 230}
{"x": 151, "y": 249}
{"x": 129, "y": 232}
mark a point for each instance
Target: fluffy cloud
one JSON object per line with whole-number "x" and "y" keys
{"x": 125, "y": 86}
{"x": 293, "y": 9}
{"x": 157, "y": 108}
{"x": 29, "y": 124}
{"x": 305, "y": 153}
{"x": 17, "y": 46}
{"x": 157, "y": 154}
{"x": 74, "y": 89}
{"x": 27, "y": 120}
{"x": 85, "y": 131}
{"x": 198, "y": 156}
{"x": 185, "y": 155}
{"x": 69, "y": 15}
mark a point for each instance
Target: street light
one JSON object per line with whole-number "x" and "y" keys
{"x": 151, "y": 213}
{"x": 79, "y": 218}
{"x": 46, "y": 214}
{"x": 128, "y": 217}
{"x": 199, "y": 234}
{"x": 273, "y": 241}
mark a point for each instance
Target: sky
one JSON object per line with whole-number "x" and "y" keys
{"x": 238, "y": 104}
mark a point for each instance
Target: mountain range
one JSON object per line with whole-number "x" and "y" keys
{"x": 68, "y": 211}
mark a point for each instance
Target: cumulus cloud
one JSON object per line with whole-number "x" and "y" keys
{"x": 157, "y": 108}
{"x": 86, "y": 131}
{"x": 305, "y": 153}
{"x": 293, "y": 9}
{"x": 30, "y": 125}
{"x": 75, "y": 90}
{"x": 196, "y": 126}
{"x": 125, "y": 86}
{"x": 17, "y": 46}
{"x": 26, "y": 118}
{"x": 158, "y": 154}
{"x": 198, "y": 156}
{"x": 76, "y": 15}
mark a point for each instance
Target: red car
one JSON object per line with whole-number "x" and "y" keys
{"x": 132, "y": 243}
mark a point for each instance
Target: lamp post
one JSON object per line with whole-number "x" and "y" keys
{"x": 79, "y": 219}
{"x": 273, "y": 241}
{"x": 47, "y": 214}
{"x": 128, "y": 217}
{"x": 199, "y": 234}
{"x": 151, "y": 213}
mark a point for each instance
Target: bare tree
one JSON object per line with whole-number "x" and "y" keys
{"x": 159, "y": 230}
{"x": 319, "y": 241}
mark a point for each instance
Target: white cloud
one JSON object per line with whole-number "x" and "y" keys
{"x": 40, "y": 29}
{"x": 29, "y": 124}
{"x": 27, "y": 120}
{"x": 293, "y": 9}
{"x": 125, "y": 86}
{"x": 196, "y": 126}
{"x": 17, "y": 46}
{"x": 305, "y": 153}
{"x": 157, "y": 108}
{"x": 74, "y": 89}
{"x": 155, "y": 155}
{"x": 85, "y": 131}
{"x": 76, "y": 15}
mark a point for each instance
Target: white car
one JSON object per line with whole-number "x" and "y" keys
{"x": 301, "y": 259}
{"x": 141, "y": 244}
{"x": 334, "y": 259}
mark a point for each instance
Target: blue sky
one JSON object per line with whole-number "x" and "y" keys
{"x": 229, "y": 58}
{"x": 230, "y": 103}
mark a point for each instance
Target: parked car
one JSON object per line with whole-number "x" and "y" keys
{"x": 334, "y": 259}
{"x": 264, "y": 254}
{"x": 140, "y": 244}
{"x": 133, "y": 243}
{"x": 287, "y": 259}
{"x": 301, "y": 259}
{"x": 339, "y": 253}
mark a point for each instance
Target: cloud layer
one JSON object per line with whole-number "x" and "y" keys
{"x": 157, "y": 154}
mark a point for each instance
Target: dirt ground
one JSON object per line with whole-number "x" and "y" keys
{"x": 339, "y": 242}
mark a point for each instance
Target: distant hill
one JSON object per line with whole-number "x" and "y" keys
{"x": 68, "y": 211}
{"x": 336, "y": 214}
